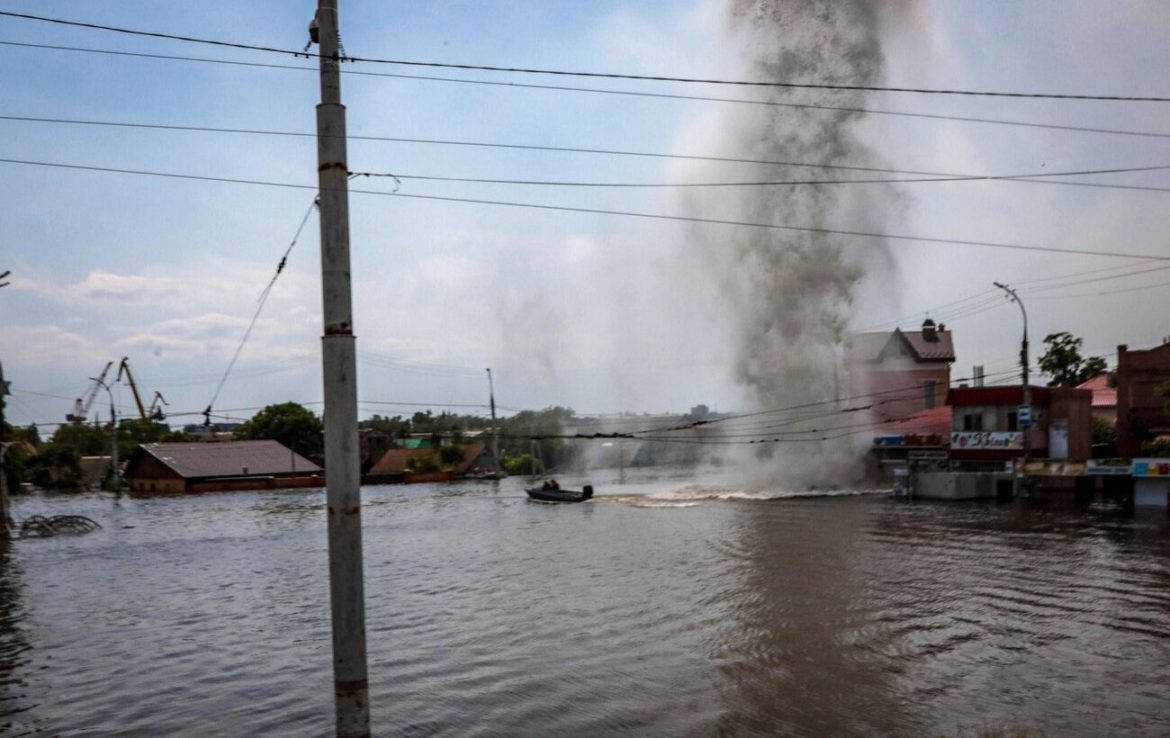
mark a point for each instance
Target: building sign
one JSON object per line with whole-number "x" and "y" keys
{"x": 1024, "y": 416}
{"x": 1151, "y": 467}
{"x": 986, "y": 440}
{"x": 1108, "y": 467}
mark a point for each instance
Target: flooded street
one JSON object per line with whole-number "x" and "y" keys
{"x": 666, "y": 606}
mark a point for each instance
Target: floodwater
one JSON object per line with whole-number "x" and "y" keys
{"x": 667, "y": 606}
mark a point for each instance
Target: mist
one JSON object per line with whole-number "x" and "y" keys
{"x": 790, "y": 296}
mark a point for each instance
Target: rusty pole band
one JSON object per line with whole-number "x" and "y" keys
{"x": 339, "y": 369}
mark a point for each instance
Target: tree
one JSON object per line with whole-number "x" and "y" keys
{"x": 291, "y": 425}
{"x": 1063, "y": 361}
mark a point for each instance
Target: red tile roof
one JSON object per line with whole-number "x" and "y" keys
{"x": 1103, "y": 394}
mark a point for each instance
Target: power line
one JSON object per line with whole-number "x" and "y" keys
{"x": 774, "y": 183}
{"x": 1037, "y": 178}
{"x": 601, "y": 75}
{"x": 626, "y": 93}
{"x": 621, "y": 213}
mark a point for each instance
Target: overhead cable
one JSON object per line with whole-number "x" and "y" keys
{"x": 1039, "y": 178}
{"x": 621, "y": 213}
{"x": 626, "y": 93}
{"x": 602, "y": 75}
{"x": 778, "y": 183}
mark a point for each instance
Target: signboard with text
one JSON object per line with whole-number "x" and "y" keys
{"x": 1024, "y": 416}
{"x": 986, "y": 440}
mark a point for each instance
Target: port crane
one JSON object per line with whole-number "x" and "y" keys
{"x": 154, "y": 411}
{"x": 82, "y": 404}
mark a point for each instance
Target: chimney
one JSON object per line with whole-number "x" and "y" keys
{"x": 928, "y": 331}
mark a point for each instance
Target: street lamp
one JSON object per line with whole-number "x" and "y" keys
{"x": 114, "y": 431}
{"x": 1024, "y": 414}
{"x": 495, "y": 428}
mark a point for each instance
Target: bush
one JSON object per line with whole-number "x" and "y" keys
{"x": 451, "y": 455}
{"x": 1159, "y": 447}
{"x": 428, "y": 463}
{"x": 520, "y": 464}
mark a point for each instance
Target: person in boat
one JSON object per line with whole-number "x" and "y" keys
{"x": 550, "y": 484}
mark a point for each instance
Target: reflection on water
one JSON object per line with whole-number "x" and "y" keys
{"x": 665, "y": 606}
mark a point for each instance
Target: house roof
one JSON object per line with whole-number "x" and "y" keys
{"x": 875, "y": 346}
{"x": 1103, "y": 395}
{"x": 937, "y": 422}
{"x": 231, "y": 459}
{"x": 394, "y": 460}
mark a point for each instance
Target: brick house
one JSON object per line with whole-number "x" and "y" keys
{"x": 1141, "y": 413}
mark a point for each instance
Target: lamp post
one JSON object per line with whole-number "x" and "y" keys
{"x": 495, "y": 428}
{"x": 114, "y": 432}
{"x": 1024, "y": 416}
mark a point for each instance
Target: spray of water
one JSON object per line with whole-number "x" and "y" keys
{"x": 792, "y": 294}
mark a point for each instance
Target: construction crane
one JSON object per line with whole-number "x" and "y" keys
{"x": 81, "y": 405}
{"x": 155, "y": 412}
{"x": 124, "y": 368}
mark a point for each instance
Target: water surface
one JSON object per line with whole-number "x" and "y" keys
{"x": 666, "y": 606}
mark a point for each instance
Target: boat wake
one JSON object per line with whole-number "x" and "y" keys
{"x": 690, "y": 495}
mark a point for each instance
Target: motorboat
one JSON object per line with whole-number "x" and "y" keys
{"x": 556, "y": 494}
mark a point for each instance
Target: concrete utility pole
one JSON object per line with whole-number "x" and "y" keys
{"x": 495, "y": 428}
{"x": 342, "y": 455}
{"x": 1024, "y": 417}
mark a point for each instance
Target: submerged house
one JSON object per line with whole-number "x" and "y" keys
{"x": 395, "y": 466}
{"x": 208, "y": 467}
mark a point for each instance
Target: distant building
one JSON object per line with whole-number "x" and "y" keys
{"x": 392, "y": 467}
{"x": 1104, "y": 389}
{"x": 902, "y": 373}
{"x": 1141, "y": 413}
{"x": 986, "y": 424}
{"x": 205, "y": 467}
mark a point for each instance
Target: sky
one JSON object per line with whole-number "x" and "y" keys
{"x": 578, "y": 306}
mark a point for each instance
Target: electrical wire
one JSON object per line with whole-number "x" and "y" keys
{"x": 778, "y": 183}
{"x": 622, "y": 213}
{"x": 603, "y": 75}
{"x": 1039, "y": 178}
{"x": 627, "y": 93}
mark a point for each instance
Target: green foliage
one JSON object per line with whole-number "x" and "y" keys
{"x": 451, "y": 455}
{"x": 518, "y": 429}
{"x": 519, "y": 464}
{"x": 137, "y": 430}
{"x": 16, "y": 465}
{"x": 1163, "y": 391}
{"x": 396, "y": 427}
{"x": 427, "y": 463}
{"x": 290, "y": 424}
{"x": 83, "y": 439}
{"x": 54, "y": 466}
{"x": 1063, "y": 361}
{"x": 1103, "y": 431}
{"x": 1159, "y": 447}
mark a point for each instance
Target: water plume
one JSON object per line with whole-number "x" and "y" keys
{"x": 792, "y": 294}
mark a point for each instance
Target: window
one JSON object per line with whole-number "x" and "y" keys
{"x": 928, "y": 388}
{"x": 1013, "y": 422}
{"x": 973, "y": 421}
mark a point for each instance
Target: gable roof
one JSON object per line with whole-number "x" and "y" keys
{"x": 1103, "y": 394}
{"x": 876, "y": 346}
{"x": 229, "y": 459}
{"x": 394, "y": 460}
